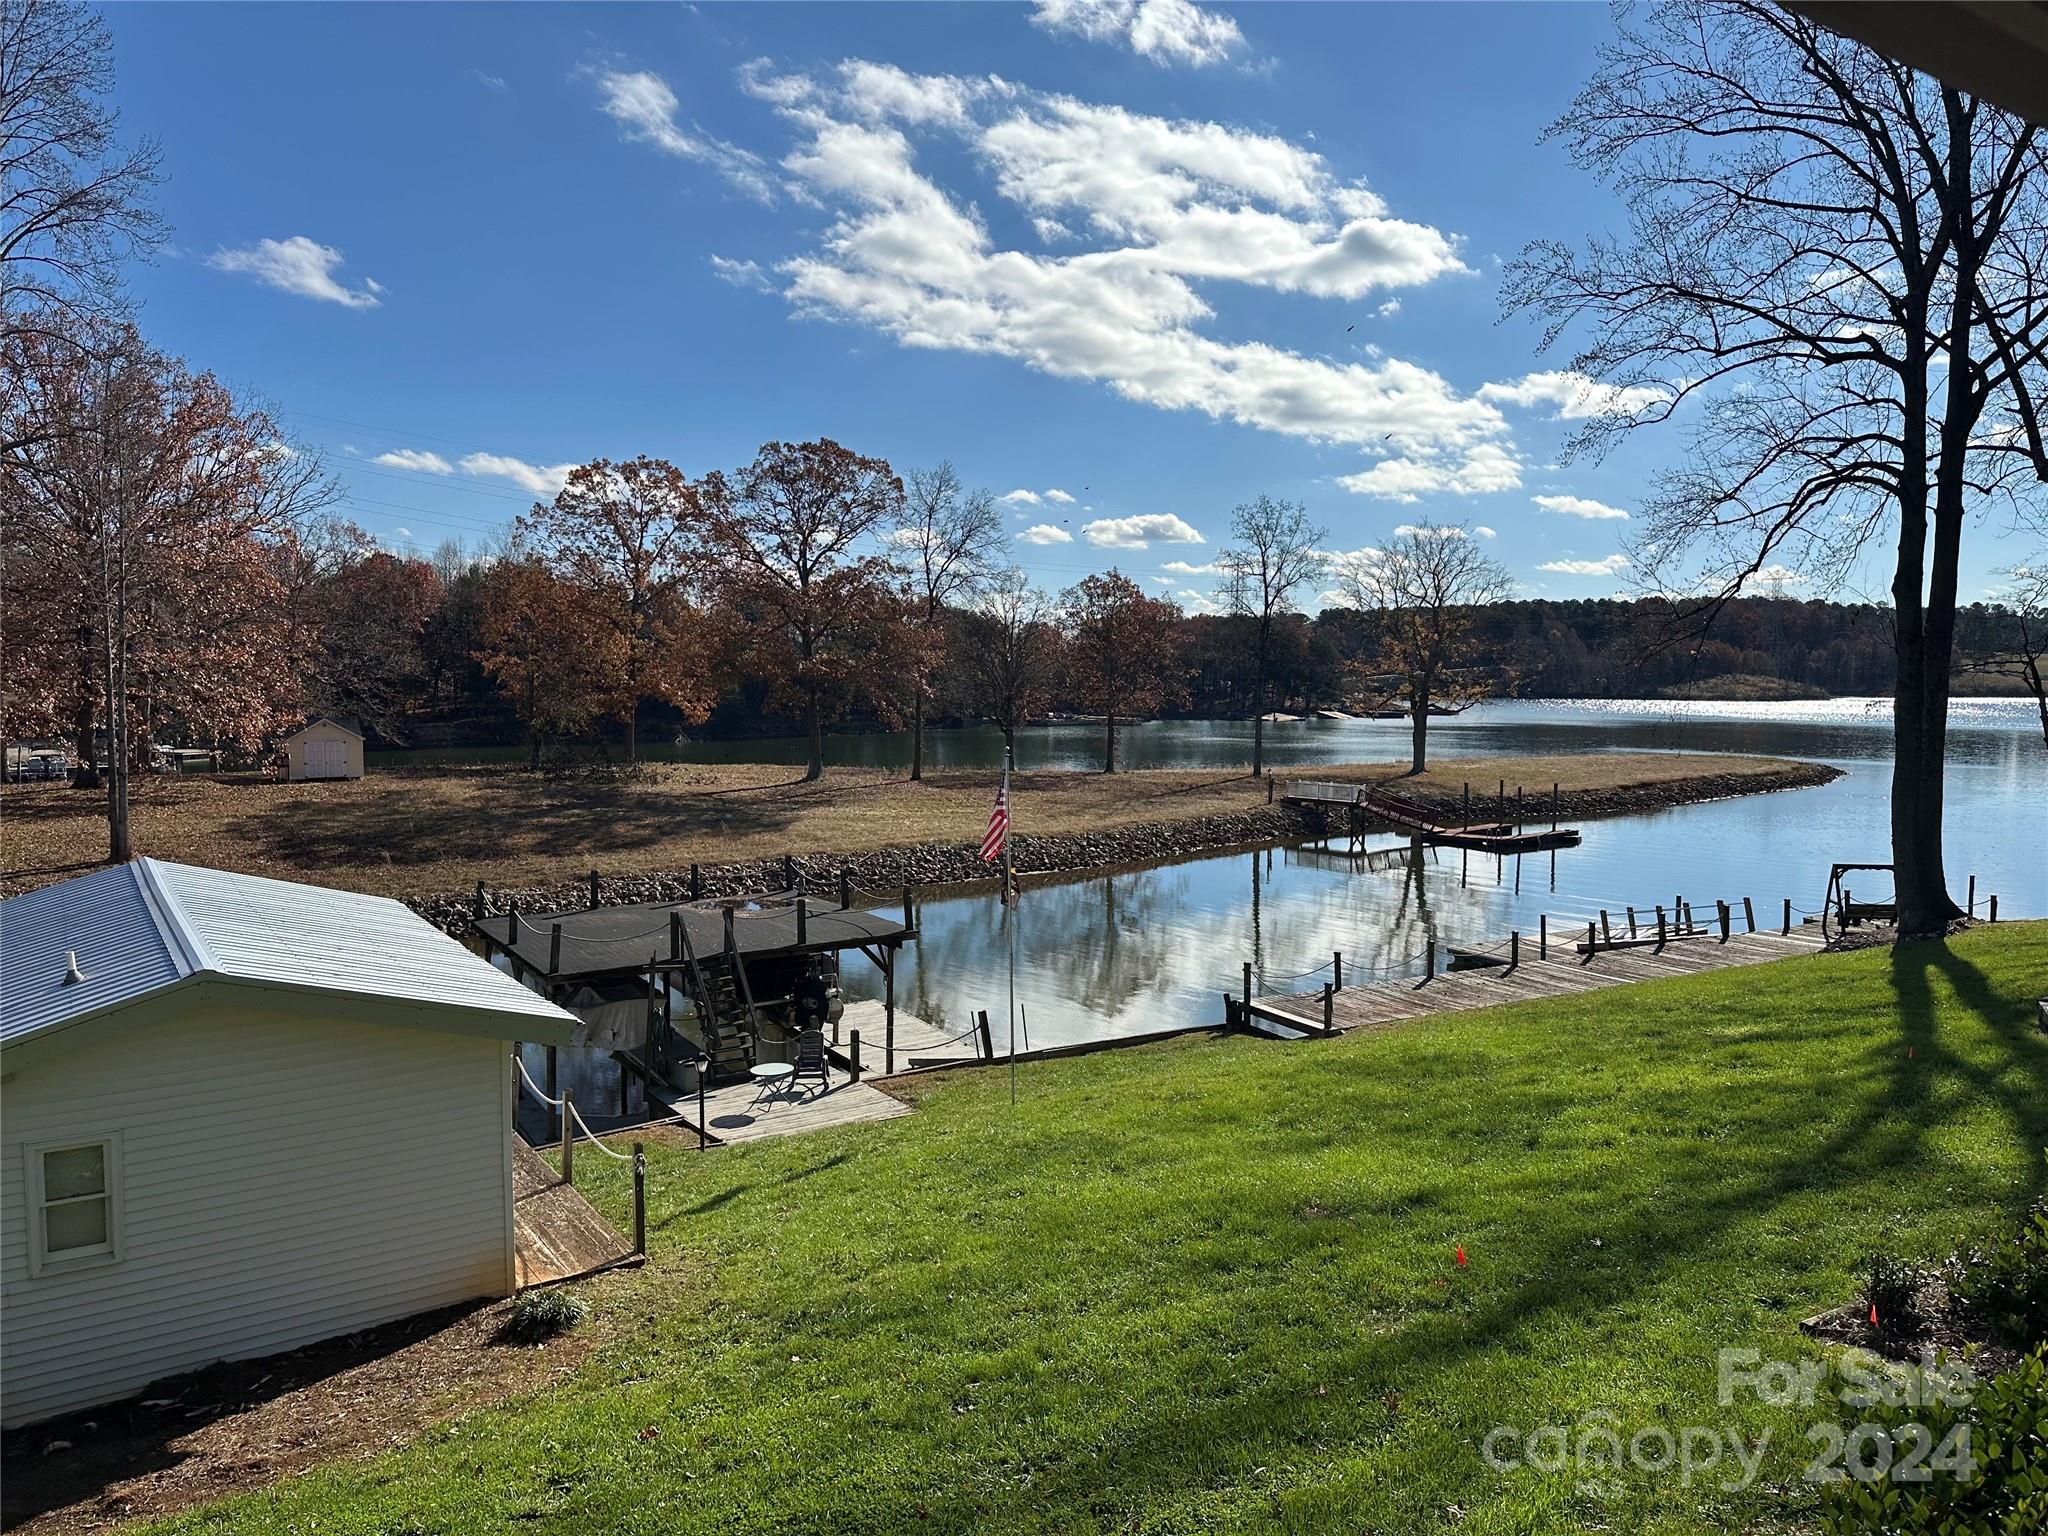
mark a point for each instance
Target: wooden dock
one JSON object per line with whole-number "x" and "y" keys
{"x": 743, "y": 1112}
{"x": 557, "y": 1234}
{"x": 1367, "y": 803}
{"x": 1563, "y": 973}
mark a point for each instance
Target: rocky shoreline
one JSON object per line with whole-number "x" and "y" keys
{"x": 888, "y": 870}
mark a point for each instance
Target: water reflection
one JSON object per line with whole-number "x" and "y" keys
{"x": 1139, "y": 950}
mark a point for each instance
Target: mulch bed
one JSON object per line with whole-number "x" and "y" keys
{"x": 1945, "y": 1331}
{"x": 242, "y": 1425}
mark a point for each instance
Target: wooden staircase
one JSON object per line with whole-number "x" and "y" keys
{"x": 722, "y": 1014}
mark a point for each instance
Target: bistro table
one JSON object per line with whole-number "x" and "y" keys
{"x": 769, "y": 1076}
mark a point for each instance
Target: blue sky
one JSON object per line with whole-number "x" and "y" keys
{"x": 1153, "y": 257}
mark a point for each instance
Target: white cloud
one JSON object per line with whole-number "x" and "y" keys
{"x": 1405, "y": 530}
{"x": 1485, "y": 532}
{"x": 1604, "y": 567}
{"x": 641, "y": 103}
{"x": 1164, "y": 31}
{"x": 1578, "y": 506}
{"x": 1484, "y": 467}
{"x": 403, "y": 533}
{"x": 1051, "y": 231}
{"x": 1182, "y": 568}
{"x": 1020, "y": 498}
{"x": 416, "y": 459}
{"x": 1139, "y": 532}
{"x": 1780, "y": 576}
{"x": 1058, "y": 495}
{"x": 535, "y": 479}
{"x": 1045, "y": 533}
{"x": 741, "y": 274}
{"x": 1161, "y": 208}
{"x": 1575, "y": 395}
{"x": 491, "y": 82}
{"x": 1389, "y": 309}
{"x": 1197, "y": 602}
{"x": 298, "y": 265}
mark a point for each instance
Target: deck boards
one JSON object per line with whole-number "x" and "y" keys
{"x": 557, "y": 1234}
{"x": 1562, "y": 974}
{"x": 741, "y": 1112}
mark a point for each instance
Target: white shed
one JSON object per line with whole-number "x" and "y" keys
{"x": 324, "y": 748}
{"x": 241, "y": 1115}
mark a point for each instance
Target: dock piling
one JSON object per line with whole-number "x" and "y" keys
{"x": 478, "y": 910}
{"x": 704, "y": 1071}
{"x": 696, "y": 883}
{"x": 1514, "y": 948}
{"x": 1660, "y": 926}
{"x": 1721, "y": 910}
{"x": 853, "y": 1052}
{"x": 1337, "y": 966}
{"x": 1631, "y": 922}
{"x": 640, "y": 1199}
{"x": 1994, "y": 906}
{"x": 1429, "y": 962}
{"x": 1542, "y": 935}
{"x": 1972, "y": 906}
{"x": 594, "y": 890}
{"x": 803, "y": 920}
{"x": 1749, "y": 914}
{"x": 1329, "y": 1012}
{"x": 1788, "y": 916}
{"x": 568, "y": 1143}
{"x": 1553, "y": 807}
{"x": 554, "y": 948}
{"x": 789, "y": 871}
{"x": 845, "y": 888}
{"x": 1606, "y": 933}
{"x": 1247, "y": 986}
{"x": 675, "y": 935}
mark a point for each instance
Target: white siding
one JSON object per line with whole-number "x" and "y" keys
{"x": 282, "y": 1182}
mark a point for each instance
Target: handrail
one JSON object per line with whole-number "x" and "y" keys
{"x": 569, "y": 1105}
{"x": 535, "y": 1087}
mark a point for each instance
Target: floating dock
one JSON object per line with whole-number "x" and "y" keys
{"x": 1368, "y": 803}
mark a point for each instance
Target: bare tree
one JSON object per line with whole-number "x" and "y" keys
{"x": 1418, "y": 593}
{"x": 948, "y": 538}
{"x": 1274, "y": 555}
{"x": 1009, "y": 651}
{"x": 2025, "y": 601}
{"x": 1839, "y": 270}
{"x": 73, "y": 203}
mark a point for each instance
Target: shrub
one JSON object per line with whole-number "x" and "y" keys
{"x": 539, "y": 1316}
{"x": 2000, "y": 1490}
{"x": 1892, "y": 1288}
{"x": 2004, "y": 1289}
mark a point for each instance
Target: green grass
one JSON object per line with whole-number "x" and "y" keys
{"x": 1210, "y": 1286}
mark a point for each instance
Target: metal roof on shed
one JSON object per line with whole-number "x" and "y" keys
{"x": 147, "y": 926}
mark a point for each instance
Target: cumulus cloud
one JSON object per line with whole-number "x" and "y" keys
{"x": 1160, "y": 209}
{"x": 1182, "y": 568}
{"x": 1485, "y": 532}
{"x": 416, "y": 459}
{"x": 1060, "y": 496}
{"x": 1603, "y": 567}
{"x": 1164, "y": 31}
{"x": 535, "y": 479}
{"x": 1139, "y": 532}
{"x": 644, "y": 107}
{"x": 1578, "y": 506}
{"x": 1197, "y": 602}
{"x": 1045, "y": 533}
{"x": 1575, "y": 395}
{"x": 1020, "y": 498}
{"x": 298, "y": 265}
{"x": 1483, "y": 467}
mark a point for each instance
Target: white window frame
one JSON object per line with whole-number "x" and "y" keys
{"x": 40, "y": 1261}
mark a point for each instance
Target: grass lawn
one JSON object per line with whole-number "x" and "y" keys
{"x": 428, "y": 831}
{"x": 1210, "y": 1286}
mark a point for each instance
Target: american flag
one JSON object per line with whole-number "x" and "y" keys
{"x": 998, "y": 826}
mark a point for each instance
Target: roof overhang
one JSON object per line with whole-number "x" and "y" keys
{"x": 1996, "y": 49}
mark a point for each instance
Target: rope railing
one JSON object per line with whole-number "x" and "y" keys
{"x": 568, "y": 1106}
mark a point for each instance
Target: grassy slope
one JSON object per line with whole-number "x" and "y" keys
{"x": 416, "y": 834}
{"x": 1209, "y": 1286}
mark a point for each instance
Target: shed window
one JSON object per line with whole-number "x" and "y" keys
{"x": 77, "y": 1214}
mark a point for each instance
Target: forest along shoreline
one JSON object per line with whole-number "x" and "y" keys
{"x": 886, "y": 870}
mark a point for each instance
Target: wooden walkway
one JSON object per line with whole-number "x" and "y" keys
{"x": 557, "y": 1235}
{"x": 1563, "y": 973}
{"x": 918, "y": 1043}
{"x": 1412, "y": 816}
{"x": 742, "y": 1112}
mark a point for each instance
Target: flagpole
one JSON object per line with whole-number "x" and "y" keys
{"x": 1010, "y": 913}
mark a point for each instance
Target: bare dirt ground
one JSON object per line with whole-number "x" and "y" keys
{"x": 239, "y": 1426}
{"x": 424, "y": 832}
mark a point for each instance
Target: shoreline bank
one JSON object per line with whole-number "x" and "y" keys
{"x": 889, "y": 869}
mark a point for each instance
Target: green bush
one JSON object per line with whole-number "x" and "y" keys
{"x": 539, "y": 1316}
{"x": 2000, "y": 1490}
{"x": 2004, "y": 1289}
{"x": 1893, "y": 1288}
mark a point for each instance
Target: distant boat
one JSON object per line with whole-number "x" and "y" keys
{"x": 1334, "y": 714}
{"x": 1280, "y": 717}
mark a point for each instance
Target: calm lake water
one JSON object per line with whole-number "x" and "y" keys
{"x": 1152, "y": 948}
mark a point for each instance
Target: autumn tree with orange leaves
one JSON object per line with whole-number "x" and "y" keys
{"x": 628, "y": 538}
{"x": 1123, "y": 651}
{"x": 142, "y": 513}
{"x": 550, "y": 646}
{"x": 824, "y": 624}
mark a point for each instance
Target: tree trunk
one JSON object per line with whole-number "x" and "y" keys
{"x": 1109, "y": 742}
{"x": 815, "y": 768}
{"x": 633, "y": 732}
{"x": 1418, "y": 732}
{"x": 917, "y": 735}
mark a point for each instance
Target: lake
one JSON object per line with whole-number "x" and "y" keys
{"x": 1147, "y": 949}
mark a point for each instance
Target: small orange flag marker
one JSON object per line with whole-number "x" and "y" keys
{"x": 1873, "y": 1315}
{"x": 1461, "y": 1255}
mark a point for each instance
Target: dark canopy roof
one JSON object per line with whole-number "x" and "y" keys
{"x": 609, "y": 940}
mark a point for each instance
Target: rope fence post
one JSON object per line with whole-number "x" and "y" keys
{"x": 1787, "y": 929}
{"x": 1606, "y": 933}
{"x": 640, "y": 1199}
{"x": 1994, "y": 906}
{"x": 853, "y": 1052}
{"x": 1542, "y": 935}
{"x": 1660, "y": 925}
{"x": 594, "y": 889}
{"x": 568, "y": 1141}
{"x": 1721, "y": 911}
{"x": 696, "y": 882}
{"x": 554, "y": 949}
{"x": 1553, "y": 807}
{"x": 478, "y": 909}
{"x": 1749, "y": 913}
{"x": 789, "y": 871}
{"x": 845, "y": 887}
{"x": 703, "y": 1126}
{"x": 1514, "y": 948}
{"x": 1972, "y": 907}
{"x": 1337, "y": 967}
{"x": 1631, "y": 922}
{"x": 803, "y": 920}
{"x": 1592, "y": 938}
{"x": 1328, "y": 1013}
{"x": 1247, "y": 985}
{"x": 1429, "y": 961}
